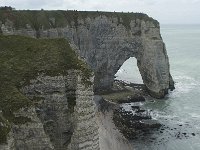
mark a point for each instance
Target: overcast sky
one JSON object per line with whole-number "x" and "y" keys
{"x": 165, "y": 11}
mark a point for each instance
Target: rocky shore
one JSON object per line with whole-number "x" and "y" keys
{"x": 128, "y": 116}
{"x": 110, "y": 138}
{"x": 136, "y": 123}
{"x": 54, "y": 61}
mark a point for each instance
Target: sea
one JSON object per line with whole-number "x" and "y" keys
{"x": 179, "y": 111}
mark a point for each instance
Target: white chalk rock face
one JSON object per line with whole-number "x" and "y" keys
{"x": 64, "y": 117}
{"x": 106, "y": 40}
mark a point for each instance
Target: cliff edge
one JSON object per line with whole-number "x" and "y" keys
{"x": 105, "y": 39}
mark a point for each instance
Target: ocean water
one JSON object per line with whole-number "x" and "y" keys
{"x": 179, "y": 112}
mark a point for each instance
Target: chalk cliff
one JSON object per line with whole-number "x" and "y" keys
{"x": 46, "y": 89}
{"x": 46, "y": 96}
{"x": 105, "y": 39}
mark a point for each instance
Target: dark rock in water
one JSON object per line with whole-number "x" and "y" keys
{"x": 135, "y": 115}
{"x": 135, "y": 107}
{"x": 141, "y": 115}
{"x": 132, "y": 99}
{"x": 134, "y": 123}
{"x": 137, "y": 99}
{"x": 140, "y": 111}
{"x": 193, "y": 134}
{"x": 147, "y": 124}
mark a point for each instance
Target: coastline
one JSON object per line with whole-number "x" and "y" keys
{"x": 117, "y": 132}
{"x": 109, "y": 136}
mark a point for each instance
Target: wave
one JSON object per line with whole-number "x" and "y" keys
{"x": 184, "y": 84}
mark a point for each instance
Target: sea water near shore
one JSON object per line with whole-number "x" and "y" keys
{"x": 179, "y": 112}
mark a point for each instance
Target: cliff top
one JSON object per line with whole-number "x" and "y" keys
{"x": 21, "y": 59}
{"x": 45, "y": 19}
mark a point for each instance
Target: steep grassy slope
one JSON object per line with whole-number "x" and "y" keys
{"x": 21, "y": 59}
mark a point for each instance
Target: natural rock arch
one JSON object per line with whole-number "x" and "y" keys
{"x": 106, "y": 40}
{"x": 110, "y": 45}
{"x": 129, "y": 72}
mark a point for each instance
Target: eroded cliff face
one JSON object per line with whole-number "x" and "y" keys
{"x": 105, "y": 40}
{"x": 63, "y": 118}
{"x": 46, "y": 96}
{"x": 46, "y": 91}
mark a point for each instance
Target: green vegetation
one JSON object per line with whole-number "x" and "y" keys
{"x": 52, "y": 19}
{"x": 21, "y": 59}
{"x": 118, "y": 96}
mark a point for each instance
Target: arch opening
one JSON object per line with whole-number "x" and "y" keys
{"x": 129, "y": 72}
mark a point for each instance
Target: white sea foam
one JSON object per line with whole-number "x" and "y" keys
{"x": 194, "y": 115}
{"x": 184, "y": 84}
{"x": 161, "y": 115}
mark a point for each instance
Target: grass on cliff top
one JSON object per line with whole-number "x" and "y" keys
{"x": 21, "y": 59}
{"x": 59, "y": 18}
